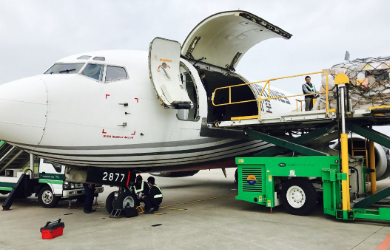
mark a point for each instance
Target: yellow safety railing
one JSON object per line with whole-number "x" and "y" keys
{"x": 267, "y": 87}
{"x": 299, "y": 104}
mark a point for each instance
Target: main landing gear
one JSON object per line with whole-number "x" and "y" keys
{"x": 118, "y": 201}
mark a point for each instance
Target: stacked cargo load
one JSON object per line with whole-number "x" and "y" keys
{"x": 369, "y": 82}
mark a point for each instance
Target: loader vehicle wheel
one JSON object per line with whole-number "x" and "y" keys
{"x": 299, "y": 197}
{"x": 47, "y": 198}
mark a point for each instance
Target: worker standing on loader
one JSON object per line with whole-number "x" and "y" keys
{"x": 154, "y": 198}
{"x": 308, "y": 88}
{"x": 140, "y": 188}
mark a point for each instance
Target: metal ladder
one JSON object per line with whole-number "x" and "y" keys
{"x": 360, "y": 151}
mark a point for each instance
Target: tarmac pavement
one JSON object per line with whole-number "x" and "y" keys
{"x": 200, "y": 213}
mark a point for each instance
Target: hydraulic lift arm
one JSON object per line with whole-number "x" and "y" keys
{"x": 283, "y": 143}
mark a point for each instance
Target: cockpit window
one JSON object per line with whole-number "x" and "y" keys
{"x": 84, "y": 57}
{"x": 65, "y": 68}
{"x": 94, "y": 71}
{"x": 114, "y": 73}
{"x": 99, "y": 58}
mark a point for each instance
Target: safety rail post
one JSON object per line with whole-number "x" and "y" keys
{"x": 341, "y": 80}
{"x": 260, "y": 99}
{"x": 32, "y": 166}
{"x": 269, "y": 88}
{"x": 326, "y": 93}
{"x": 230, "y": 95}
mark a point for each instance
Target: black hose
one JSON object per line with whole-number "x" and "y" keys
{"x": 199, "y": 60}
{"x": 28, "y": 170}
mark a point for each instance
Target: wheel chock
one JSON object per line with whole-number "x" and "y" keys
{"x": 140, "y": 209}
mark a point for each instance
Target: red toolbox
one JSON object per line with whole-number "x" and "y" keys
{"x": 52, "y": 229}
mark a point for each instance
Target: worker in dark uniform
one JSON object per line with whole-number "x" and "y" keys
{"x": 140, "y": 188}
{"x": 308, "y": 88}
{"x": 89, "y": 195}
{"x": 154, "y": 198}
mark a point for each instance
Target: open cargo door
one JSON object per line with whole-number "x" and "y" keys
{"x": 164, "y": 63}
{"x": 222, "y": 39}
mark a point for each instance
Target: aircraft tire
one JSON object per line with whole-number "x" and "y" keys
{"x": 124, "y": 200}
{"x": 109, "y": 202}
{"x": 299, "y": 197}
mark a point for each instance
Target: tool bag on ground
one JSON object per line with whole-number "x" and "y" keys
{"x": 52, "y": 229}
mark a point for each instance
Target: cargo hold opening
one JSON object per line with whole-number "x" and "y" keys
{"x": 216, "y": 46}
{"x": 244, "y": 93}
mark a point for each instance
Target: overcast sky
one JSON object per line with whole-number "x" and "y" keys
{"x": 34, "y": 34}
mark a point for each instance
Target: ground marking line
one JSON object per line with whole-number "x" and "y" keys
{"x": 385, "y": 244}
{"x": 367, "y": 238}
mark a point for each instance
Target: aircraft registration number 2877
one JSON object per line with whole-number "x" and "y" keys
{"x": 115, "y": 176}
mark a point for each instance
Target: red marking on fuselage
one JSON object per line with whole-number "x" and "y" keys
{"x": 136, "y": 99}
{"x": 128, "y": 179}
{"x": 161, "y": 65}
{"x": 104, "y": 132}
{"x": 107, "y": 95}
{"x": 133, "y": 133}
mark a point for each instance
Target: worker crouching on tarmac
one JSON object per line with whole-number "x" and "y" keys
{"x": 154, "y": 198}
{"x": 141, "y": 188}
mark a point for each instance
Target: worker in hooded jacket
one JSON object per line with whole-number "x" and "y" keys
{"x": 140, "y": 188}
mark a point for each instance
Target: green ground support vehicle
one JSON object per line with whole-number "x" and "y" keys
{"x": 298, "y": 183}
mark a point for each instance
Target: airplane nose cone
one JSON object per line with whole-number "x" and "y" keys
{"x": 23, "y": 108}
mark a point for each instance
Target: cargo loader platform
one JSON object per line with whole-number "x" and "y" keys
{"x": 301, "y": 167}
{"x": 280, "y": 119}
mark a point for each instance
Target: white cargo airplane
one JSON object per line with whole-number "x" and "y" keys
{"x": 117, "y": 111}
{"x": 100, "y": 108}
